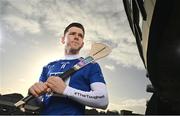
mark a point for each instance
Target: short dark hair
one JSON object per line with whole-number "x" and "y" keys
{"x": 74, "y": 24}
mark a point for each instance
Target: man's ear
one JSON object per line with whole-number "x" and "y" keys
{"x": 62, "y": 40}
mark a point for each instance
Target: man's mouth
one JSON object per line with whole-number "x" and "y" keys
{"x": 75, "y": 43}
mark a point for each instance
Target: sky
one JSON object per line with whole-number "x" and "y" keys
{"x": 30, "y": 32}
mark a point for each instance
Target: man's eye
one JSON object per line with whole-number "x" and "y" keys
{"x": 80, "y": 35}
{"x": 71, "y": 33}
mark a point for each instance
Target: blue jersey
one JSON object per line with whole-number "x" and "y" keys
{"x": 81, "y": 80}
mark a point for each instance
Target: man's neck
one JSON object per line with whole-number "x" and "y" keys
{"x": 71, "y": 54}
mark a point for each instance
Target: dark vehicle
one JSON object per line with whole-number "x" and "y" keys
{"x": 7, "y": 106}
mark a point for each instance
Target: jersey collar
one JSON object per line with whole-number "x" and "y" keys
{"x": 71, "y": 57}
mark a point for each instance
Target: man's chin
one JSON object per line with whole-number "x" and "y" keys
{"x": 76, "y": 48}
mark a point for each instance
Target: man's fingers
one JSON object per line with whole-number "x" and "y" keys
{"x": 38, "y": 88}
{"x": 50, "y": 85}
{"x": 53, "y": 79}
{"x": 33, "y": 92}
{"x": 49, "y": 90}
{"x": 56, "y": 84}
{"x": 43, "y": 87}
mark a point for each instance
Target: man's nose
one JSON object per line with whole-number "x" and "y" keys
{"x": 76, "y": 37}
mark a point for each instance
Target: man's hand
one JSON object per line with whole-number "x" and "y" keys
{"x": 56, "y": 84}
{"x": 38, "y": 88}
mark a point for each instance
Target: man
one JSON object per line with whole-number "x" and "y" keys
{"x": 85, "y": 87}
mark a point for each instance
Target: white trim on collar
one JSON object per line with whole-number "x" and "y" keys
{"x": 71, "y": 57}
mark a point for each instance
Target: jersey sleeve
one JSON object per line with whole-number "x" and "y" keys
{"x": 95, "y": 74}
{"x": 43, "y": 76}
{"x": 97, "y": 97}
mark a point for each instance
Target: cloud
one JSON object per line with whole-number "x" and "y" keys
{"x": 0, "y": 35}
{"x": 135, "y": 105}
{"x": 134, "y": 102}
{"x": 2, "y": 50}
{"x": 22, "y": 80}
{"x": 6, "y": 91}
{"x": 110, "y": 67}
{"x": 127, "y": 56}
{"x": 22, "y": 25}
{"x": 105, "y": 21}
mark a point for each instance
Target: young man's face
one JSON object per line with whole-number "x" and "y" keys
{"x": 73, "y": 39}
